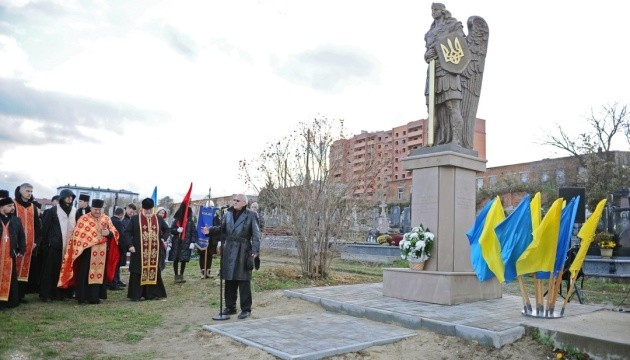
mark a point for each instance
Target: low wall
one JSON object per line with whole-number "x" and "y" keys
{"x": 349, "y": 251}
{"x": 615, "y": 267}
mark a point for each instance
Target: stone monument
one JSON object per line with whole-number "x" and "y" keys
{"x": 383, "y": 223}
{"x": 443, "y": 184}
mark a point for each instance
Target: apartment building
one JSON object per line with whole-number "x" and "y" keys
{"x": 371, "y": 162}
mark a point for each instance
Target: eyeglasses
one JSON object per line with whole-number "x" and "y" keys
{"x": 236, "y": 200}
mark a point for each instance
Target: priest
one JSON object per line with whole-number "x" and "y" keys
{"x": 91, "y": 257}
{"x": 146, "y": 234}
{"x": 12, "y": 247}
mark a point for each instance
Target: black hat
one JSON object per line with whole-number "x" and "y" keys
{"x": 67, "y": 192}
{"x": 6, "y": 201}
{"x": 56, "y": 197}
{"x": 97, "y": 203}
{"x": 4, "y": 193}
{"x": 84, "y": 197}
{"x": 148, "y": 204}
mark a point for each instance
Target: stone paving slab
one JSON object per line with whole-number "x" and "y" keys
{"x": 311, "y": 336}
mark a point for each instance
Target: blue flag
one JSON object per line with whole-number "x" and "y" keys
{"x": 515, "y": 234}
{"x": 479, "y": 265}
{"x": 154, "y": 196}
{"x": 206, "y": 217}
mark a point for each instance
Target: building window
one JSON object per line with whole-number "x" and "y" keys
{"x": 524, "y": 177}
{"x": 403, "y": 176}
{"x": 544, "y": 177}
{"x": 400, "y": 193}
{"x": 493, "y": 180}
{"x": 479, "y": 183}
{"x": 560, "y": 176}
{"x": 404, "y": 133}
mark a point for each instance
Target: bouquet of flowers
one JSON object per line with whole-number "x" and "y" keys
{"x": 605, "y": 240}
{"x": 417, "y": 244}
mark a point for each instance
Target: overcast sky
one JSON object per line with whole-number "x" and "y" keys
{"x": 136, "y": 94}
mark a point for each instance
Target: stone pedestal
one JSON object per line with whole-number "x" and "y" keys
{"x": 443, "y": 199}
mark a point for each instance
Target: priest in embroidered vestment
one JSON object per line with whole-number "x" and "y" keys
{"x": 91, "y": 257}
{"x": 12, "y": 247}
{"x": 146, "y": 234}
{"x": 27, "y": 266}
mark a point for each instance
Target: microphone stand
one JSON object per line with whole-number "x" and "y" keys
{"x": 220, "y": 315}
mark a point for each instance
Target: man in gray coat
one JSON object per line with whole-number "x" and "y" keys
{"x": 240, "y": 243}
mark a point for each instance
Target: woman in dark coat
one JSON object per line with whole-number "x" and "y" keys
{"x": 182, "y": 245}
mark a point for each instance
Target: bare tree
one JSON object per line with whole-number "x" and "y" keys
{"x": 296, "y": 176}
{"x": 593, "y": 149}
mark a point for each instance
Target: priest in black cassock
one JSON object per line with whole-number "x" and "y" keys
{"x": 12, "y": 246}
{"x": 146, "y": 234}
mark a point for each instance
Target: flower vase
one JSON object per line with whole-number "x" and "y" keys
{"x": 416, "y": 264}
{"x": 606, "y": 253}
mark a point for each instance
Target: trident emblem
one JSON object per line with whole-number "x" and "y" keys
{"x": 453, "y": 54}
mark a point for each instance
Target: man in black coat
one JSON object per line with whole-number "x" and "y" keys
{"x": 57, "y": 226}
{"x": 84, "y": 206}
{"x": 12, "y": 246}
{"x": 241, "y": 237}
{"x": 119, "y": 214}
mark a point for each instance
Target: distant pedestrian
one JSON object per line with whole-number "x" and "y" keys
{"x": 123, "y": 245}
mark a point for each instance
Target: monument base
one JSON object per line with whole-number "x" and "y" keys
{"x": 438, "y": 287}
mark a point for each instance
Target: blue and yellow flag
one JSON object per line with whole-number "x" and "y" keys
{"x": 587, "y": 233}
{"x": 540, "y": 255}
{"x": 490, "y": 247}
{"x": 515, "y": 234}
{"x": 479, "y": 265}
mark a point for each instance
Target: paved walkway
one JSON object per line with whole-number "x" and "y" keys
{"x": 600, "y": 333}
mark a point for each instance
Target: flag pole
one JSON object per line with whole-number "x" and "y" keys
{"x": 569, "y": 293}
{"x": 220, "y": 315}
{"x": 527, "y": 306}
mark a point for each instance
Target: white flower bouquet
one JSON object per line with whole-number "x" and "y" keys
{"x": 417, "y": 244}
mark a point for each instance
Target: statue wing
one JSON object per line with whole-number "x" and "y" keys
{"x": 472, "y": 76}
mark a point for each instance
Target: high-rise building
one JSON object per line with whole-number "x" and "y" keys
{"x": 371, "y": 162}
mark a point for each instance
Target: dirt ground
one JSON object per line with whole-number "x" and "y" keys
{"x": 184, "y": 338}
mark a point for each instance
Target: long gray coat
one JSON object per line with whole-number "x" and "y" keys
{"x": 240, "y": 239}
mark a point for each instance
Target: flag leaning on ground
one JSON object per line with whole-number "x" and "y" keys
{"x": 490, "y": 247}
{"x": 206, "y": 217}
{"x": 515, "y": 234}
{"x": 479, "y": 265}
{"x": 154, "y": 198}
{"x": 587, "y": 234}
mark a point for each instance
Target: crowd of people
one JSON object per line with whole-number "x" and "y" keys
{"x": 68, "y": 252}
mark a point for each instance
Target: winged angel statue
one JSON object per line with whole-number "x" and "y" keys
{"x": 456, "y": 64}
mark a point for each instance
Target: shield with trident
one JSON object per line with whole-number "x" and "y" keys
{"x": 453, "y": 53}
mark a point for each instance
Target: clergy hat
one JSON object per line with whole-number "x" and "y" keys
{"x": 84, "y": 197}
{"x": 97, "y": 203}
{"x": 4, "y": 193}
{"x": 148, "y": 204}
{"x": 6, "y": 201}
